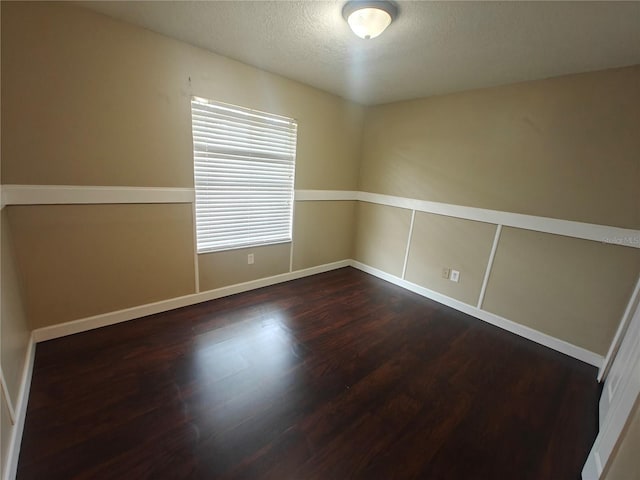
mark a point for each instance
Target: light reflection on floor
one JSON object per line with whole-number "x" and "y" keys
{"x": 242, "y": 365}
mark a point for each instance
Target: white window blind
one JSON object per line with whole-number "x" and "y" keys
{"x": 244, "y": 169}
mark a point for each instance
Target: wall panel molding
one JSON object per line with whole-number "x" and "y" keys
{"x": 568, "y": 228}
{"x": 72, "y": 195}
{"x": 408, "y": 247}
{"x": 63, "y": 194}
{"x": 487, "y": 272}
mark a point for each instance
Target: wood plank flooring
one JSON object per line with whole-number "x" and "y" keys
{"x": 336, "y": 376}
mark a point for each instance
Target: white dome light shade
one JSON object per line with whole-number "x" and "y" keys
{"x": 369, "y": 22}
{"x": 369, "y": 19}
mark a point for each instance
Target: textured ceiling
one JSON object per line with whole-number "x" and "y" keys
{"x": 431, "y": 48}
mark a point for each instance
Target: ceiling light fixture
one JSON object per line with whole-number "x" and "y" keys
{"x": 369, "y": 19}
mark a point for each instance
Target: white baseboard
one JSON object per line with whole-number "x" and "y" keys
{"x": 513, "y": 327}
{"x": 111, "y": 318}
{"x": 15, "y": 439}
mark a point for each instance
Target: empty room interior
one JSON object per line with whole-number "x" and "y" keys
{"x": 320, "y": 240}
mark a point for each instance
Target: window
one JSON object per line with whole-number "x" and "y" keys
{"x": 244, "y": 163}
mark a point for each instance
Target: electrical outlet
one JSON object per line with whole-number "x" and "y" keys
{"x": 455, "y": 276}
{"x": 445, "y": 273}
{"x": 250, "y": 259}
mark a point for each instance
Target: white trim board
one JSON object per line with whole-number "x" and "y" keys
{"x": 196, "y": 262}
{"x": 70, "y": 194}
{"x": 587, "y": 231}
{"x": 408, "y": 247}
{"x": 325, "y": 195}
{"x": 513, "y": 327}
{"x": 620, "y": 331}
{"x": 487, "y": 272}
{"x": 103, "y": 320}
{"x": 15, "y": 438}
{"x": 7, "y": 397}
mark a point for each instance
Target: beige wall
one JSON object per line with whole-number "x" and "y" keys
{"x": 625, "y": 462}
{"x": 83, "y": 260}
{"x": 219, "y": 269}
{"x": 88, "y": 100}
{"x": 565, "y": 147}
{"x": 319, "y": 232}
{"x": 382, "y": 236}
{"x": 323, "y": 232}
{"x": 119, "y": 96}
{"x": 462, "y": 245}
{"x": 575, "y": 290}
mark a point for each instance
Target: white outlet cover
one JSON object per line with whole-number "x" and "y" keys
{"x": 455, "y": 276}
{"x": 250, "y": 259}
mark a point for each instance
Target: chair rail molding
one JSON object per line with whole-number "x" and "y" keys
{"x": 73, "y": 194}
{"x": 587, "y": 231}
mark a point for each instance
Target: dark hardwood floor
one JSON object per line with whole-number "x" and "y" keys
{"x": 335, "y": 376}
